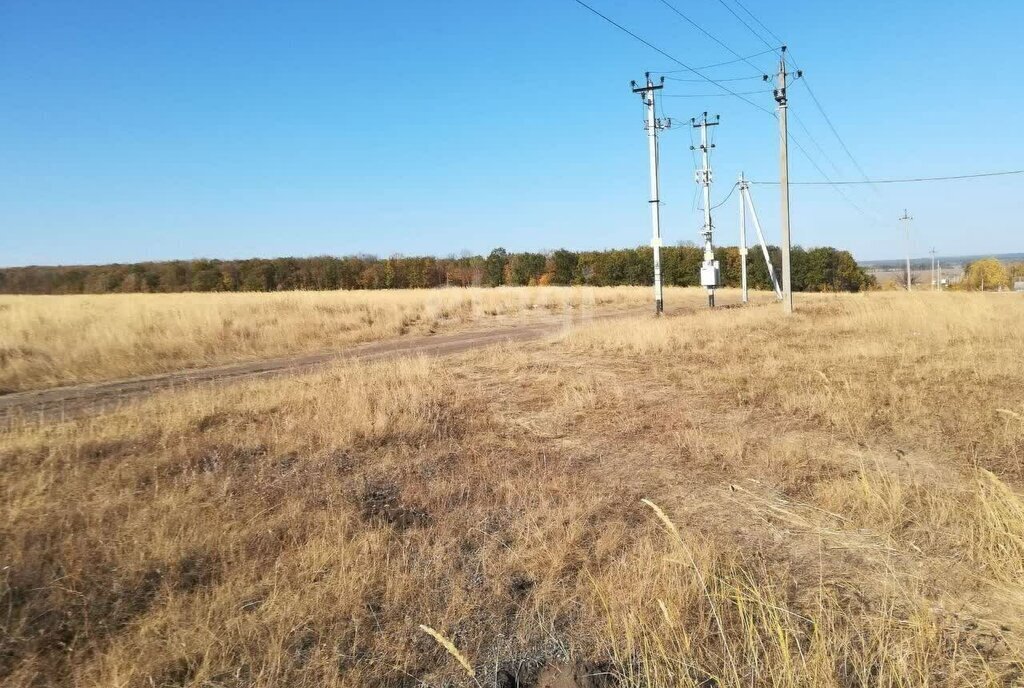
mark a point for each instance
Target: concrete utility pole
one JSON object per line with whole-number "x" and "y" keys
{"x": 653, "y": 124}
{"x": 935, "y": 277}
{"x": 709, "y": 271}
{"x": 743, "y": 240}
{"x": 905, "y": 219}
{"x": 781, "y": 99}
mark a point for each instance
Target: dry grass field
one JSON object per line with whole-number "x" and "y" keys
{"x": 60, "y": 340}
{"x": 725, "y": 498}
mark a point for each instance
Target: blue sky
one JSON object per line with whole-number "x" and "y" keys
{"x": 139, "y": 131}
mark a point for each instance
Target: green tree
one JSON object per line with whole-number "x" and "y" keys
{"x": 818, "y": 272}
{"x": 681, "y": 265}
{"x": 495, "y": 267}
{"x": 848, "y": 275}
{"x": 564, "y": 265}
{"x": 207, "y": 279}
{"x": 526, "y": 267}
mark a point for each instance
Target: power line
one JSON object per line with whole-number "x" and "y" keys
{"x": 749, "y": 28}
{"x": 817, "y": 145}
{"x": 728, "y": 196}
{"x": 759, "y": 77}
{"x": 751, "y": 15}
{"x": 720, "y": 64}
{"x": 726, "y": 89}
{"x": 907, "y": 180}
{"x": 828, "y": 181}
{"x": 674, "y": 59}
{"x": 831, "y": 126}
{"x": 810, "y": 91}
{"x": 780, "y": 97}
{"x": 810, "y": 136}
{"x": 712, "y": 95}
{"x": 707, "y": 33}
{"x": 744, "y": 93}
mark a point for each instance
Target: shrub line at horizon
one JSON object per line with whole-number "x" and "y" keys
{"x": 815, "y": 269}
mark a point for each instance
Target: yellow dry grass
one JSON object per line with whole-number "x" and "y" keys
{"x": 832, "y": 499}
{"x": 55, "y": 340}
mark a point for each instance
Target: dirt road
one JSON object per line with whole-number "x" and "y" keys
{"x": 58, "y": 403}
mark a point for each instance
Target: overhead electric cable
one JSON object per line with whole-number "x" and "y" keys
{"x": 674, "y": 59}
{"x": 724, "y": 88}
{"x": 810, "y": 136}
{"x": 712, "y": 95}
{"x": 727, "y": 197}
{"x": 749, "y": 28}
{"x": 810, "y": 91}
{"x": 707, "y": 33}
{"x": 907, "y": 180}
{"x": 831, "y": 126}
{"x": 718, "y": 64}
{"x": 751, "y": 15}
{"x": 759, "y": 77}
{"x": 828, "y": 180}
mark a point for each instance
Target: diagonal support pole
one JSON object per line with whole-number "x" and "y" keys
{"x": 745, "y": 194}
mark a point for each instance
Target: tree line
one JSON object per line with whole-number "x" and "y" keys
{"x": 816, "y": 269}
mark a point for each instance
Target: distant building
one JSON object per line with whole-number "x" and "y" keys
{"x": 1018, "y": 286}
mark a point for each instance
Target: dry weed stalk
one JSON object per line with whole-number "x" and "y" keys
{"x": 663, "y": 517}
{"x": 450, "y": 648}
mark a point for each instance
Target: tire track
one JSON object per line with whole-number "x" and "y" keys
{"x": 60, "y": 403}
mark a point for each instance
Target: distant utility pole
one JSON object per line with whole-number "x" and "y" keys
{"x": 781, "y": 99}
{"x": 653, "y": 124}
{"x": 905, "y": 219}
{"x": 935, "y": 277}
{"x": 709, "y": 270}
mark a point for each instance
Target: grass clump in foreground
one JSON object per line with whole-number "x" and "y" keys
{"x": 818, "y": 511}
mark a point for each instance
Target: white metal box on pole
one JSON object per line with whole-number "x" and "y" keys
{"x": 710, "y": 274}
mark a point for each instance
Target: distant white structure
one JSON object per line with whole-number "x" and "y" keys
{"x": 1018, "y": 286}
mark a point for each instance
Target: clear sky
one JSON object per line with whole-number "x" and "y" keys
{"x": 157, "y": 130}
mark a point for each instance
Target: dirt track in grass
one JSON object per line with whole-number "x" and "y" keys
{"x": 72, "y": 401}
